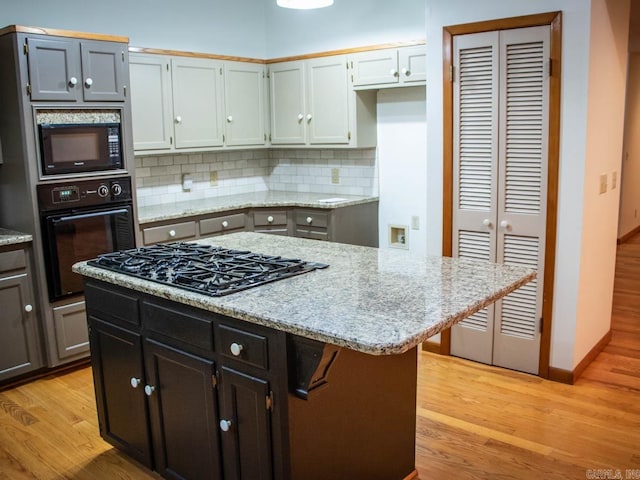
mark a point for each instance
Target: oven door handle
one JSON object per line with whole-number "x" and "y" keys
{"x": 90, "y": 215}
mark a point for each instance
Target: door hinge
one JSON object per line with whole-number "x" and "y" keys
{"x": 265, "y": 137}
{"x": 220, "y": 70}
{"x": 549, "y": 67}
{"x": 451, "y": 73}
{"x": 223, "y": 139}
{"x": 25, "y": 48}
{"x": 167, "y": 64}
{"x": 122, "y": 51}
{"x": 170, "y": 140}
{"x": 214, "y": 380}
{"x": 268, "y": 73}
{"x": 349, "y": 136}
{"x": 28, "y": 89}
{"x": 269, "y": 401}
{"x": 269, "y": 137}
{"x": 347, "y": 65}
{"x": 125, "y": 90}
{"x": 541, "y": 324}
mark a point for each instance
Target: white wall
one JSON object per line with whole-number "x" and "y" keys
{"x": 347, "y": 23}
{"x": 605, "y": 125}
{"x": 629, "y": 218}
{"x": 575, "y": 35}
{"x": 402, "y": 163}
{"x": 231, "y": 27}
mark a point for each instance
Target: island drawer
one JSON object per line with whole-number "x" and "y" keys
{"x": 179, "y": 325}
{"x": 265, "y": 219}
{"x": 169, "y": 233}
{"x": 111, "y": 304}
{"x": 312, "y": 219}
{"x": 246, "y": 347}
{"x": 211, "y": 226}
{"x": 13, "y": 260}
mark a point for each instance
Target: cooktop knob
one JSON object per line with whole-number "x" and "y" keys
{"x": 116, "y": 189}
{"x": 103, "y": 190}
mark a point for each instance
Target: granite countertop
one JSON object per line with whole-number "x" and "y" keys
{"x": 10, "y": 237}
{"x": 376, "y": 301}
{"x": 156, "y": 213}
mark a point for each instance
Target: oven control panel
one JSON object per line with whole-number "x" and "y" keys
{"x": 83, "y": 193}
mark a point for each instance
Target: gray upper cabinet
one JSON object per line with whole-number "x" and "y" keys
{"x": 245, "y": 103}
{"x": 71, "y": 70}
{"x": 393, "y": 67}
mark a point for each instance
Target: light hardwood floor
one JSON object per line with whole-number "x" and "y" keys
{"x": 474, "y": 421}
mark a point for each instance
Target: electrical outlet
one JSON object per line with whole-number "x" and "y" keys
{"x": 614, "y": 179}
{"x": 603, "y": 184}
{"x": 415, "y": 222}
{"x": 187, "y": 182}
{"x": 335, "y": 176}
{"x": 213, "y": 178}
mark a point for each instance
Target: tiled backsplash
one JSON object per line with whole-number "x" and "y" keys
{"x": 159, "y": 179}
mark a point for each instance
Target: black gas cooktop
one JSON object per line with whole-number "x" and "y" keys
{"x": 205, "y": 269}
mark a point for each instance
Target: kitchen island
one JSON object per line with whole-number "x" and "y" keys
{"x": 310, "y": 377}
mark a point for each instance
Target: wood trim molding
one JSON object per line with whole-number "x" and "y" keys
{"x": 180, "y": 53}
{"x": 626, "y": 237}
{"x": 346, "y": 51}
{"x": 570, "y": 376}
{"x": 412, "y": 476}
{"x": 554, "y": 20}
{"x": 63, "y": 33}
{"x": 431, "y": 347}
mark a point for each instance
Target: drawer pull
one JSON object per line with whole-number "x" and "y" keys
{"x": 236, "y": 349}
{"x": 225, "y": 224}
{"x": 172, "y": 233}
{"x": 270, "y": 219}
{"x": 309, "y": 220}
{"x": 149, "y": 389}
{"x": 135, "y": 382}
{"x": 225, "y": 425}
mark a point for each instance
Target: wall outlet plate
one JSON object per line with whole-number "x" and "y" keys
{"x": 335, "y": 175}
{"x": 213, "y": 178}
{"x": 187, "y": 182}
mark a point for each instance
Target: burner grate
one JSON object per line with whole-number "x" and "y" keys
{"x": 206, "y": 269}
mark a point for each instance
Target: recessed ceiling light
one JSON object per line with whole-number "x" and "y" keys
{"x": 304, "y": 4}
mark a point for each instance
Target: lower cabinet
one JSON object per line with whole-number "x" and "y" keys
{"x": 19, "y": 342}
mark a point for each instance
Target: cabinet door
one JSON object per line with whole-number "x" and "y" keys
{"x": 183, "y": 413}
{"x": 197, "y": 102}
{"x": 116, "y": 358}
{"x": 287, "y": 104}
{"x": 151, "y": 102}
{"x": 18, "y": 335}
{"x": 103, "y": 70}
{"x": 375, "y": 68}
{"x": 70, "y": 322}
{"x": 246, "y": 426}
{"x": 244, "y": 88}
{"x": 327, "y": 115}
{"x": 412, "y": 62}
{"x": 54, "y": 69}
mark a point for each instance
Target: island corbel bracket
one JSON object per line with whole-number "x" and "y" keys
{"x": 311, "y": 361}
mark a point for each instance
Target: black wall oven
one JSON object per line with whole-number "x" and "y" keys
{"x": 79, "y": 221}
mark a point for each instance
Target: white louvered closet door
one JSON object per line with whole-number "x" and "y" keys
{"x": 475, "y": 174}
{"x": 519, "y": 182}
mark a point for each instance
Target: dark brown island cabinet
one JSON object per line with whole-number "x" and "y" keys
{"x": 198, "y": 395}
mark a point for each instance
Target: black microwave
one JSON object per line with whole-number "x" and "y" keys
{"x": 78, "y": 148}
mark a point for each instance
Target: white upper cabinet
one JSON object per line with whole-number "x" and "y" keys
{"x": 245, "y": 104}
{"x": 313, "y": 104}
{"x": 287, "y": 88}
{"x": 393, "y": 67}
{"x": 197, "y": 102}
{"x": 151, "y": 102}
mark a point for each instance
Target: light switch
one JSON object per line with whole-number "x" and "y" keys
{"x": 415, "y": 222}
{"x": 335, "y": 176}
{"x": 603, "y": 184}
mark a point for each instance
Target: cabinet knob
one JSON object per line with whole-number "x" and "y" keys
{"x": 149, "y": 389}
{"x": 88, "y": 82}
{"x": 135, "y": 382}
{"x": 178, "y": 119}
{"x": 309, "y": 117}
{"x": 393, "y": 72}
{"x": 270, "y": 219}
{"x": 236, "y": 349}
{"x": 172, "y": 233}
{"x": 406, "y": 72}
{"x": 225, "y": 224}
{"x": 309, "y": 220}
{"x": 229, "y": 119}
{"x": 300, "y": 117}
{"x": 73, "y": 81}
{"x": 225, "y": 425}
{"x": 487, "y": 223}
{"x": 28, "y": 308}
{"x": 505, "y": 225}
